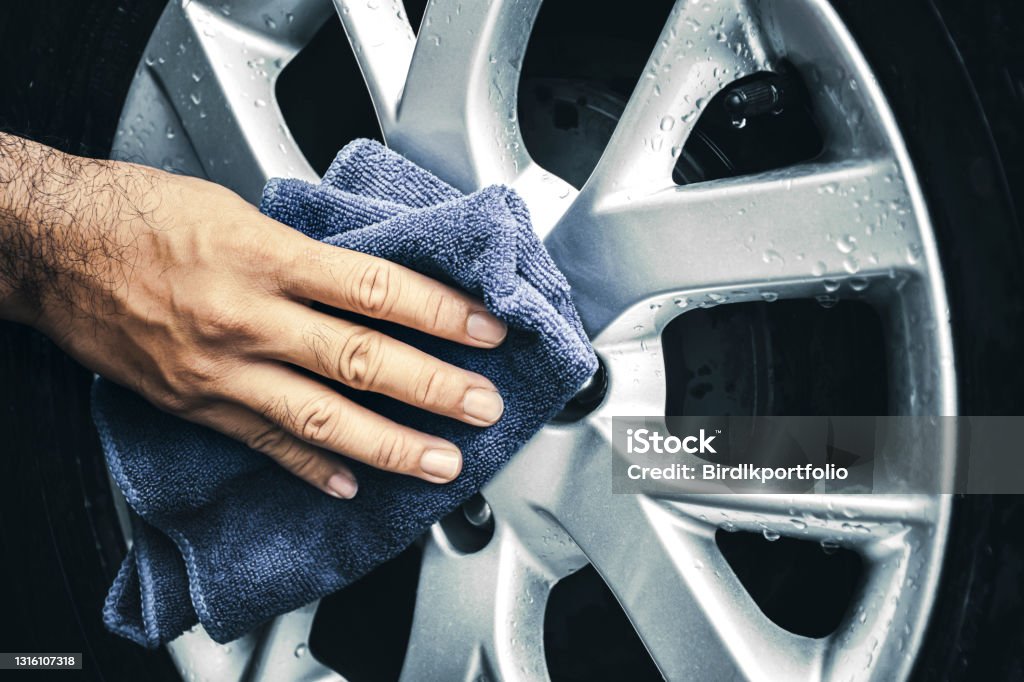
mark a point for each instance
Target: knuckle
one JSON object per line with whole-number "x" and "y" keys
{"x": 176, "y": 402}
{"x": 392, "y": 452}
{"x": 300, "y": 462}
{"x": 219, "y": 319}
{"x": 437, "y": 309}
{"x": 359, "y": 359}
{"x": 269, "y": 440}
{"x": 199, "y": 377}
{"x": 317, "y": 421}
{"x": 188, "y": 386}
{"x": 375, "y": 288}
{"x": 432, "y": 386}
{"x": 177, "y": 394}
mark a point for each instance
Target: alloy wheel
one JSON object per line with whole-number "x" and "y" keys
{"x": 639, "y": 250}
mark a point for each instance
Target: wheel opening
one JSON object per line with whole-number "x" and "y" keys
{"x": 723, "y": 146}
{"x": 363, "y": 631}
{"x": 804, "y": 587}
{"x": 580, "y": 69}
{"x": 790, "y": 357}
{"x": 324, "y": 119}
{"x": 587, "y": 635}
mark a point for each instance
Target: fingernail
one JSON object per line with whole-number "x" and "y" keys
{"x": 441, "y": 463}
{"x": 486, "y": 328}
{"x": 483, "y": 404}
{"x": 343, "y": 486}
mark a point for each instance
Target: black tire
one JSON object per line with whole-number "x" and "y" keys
{"x": 957, "y": 95}
{"x": 954, "y": 73}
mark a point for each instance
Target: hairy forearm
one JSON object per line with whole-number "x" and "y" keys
{"x": 54, "y": 211}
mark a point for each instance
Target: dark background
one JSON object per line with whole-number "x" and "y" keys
{"x": 65, "y": 66}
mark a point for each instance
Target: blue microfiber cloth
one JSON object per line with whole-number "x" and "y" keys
{"x": 224, "y": 536}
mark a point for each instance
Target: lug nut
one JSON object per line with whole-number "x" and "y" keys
{"x": 477, "y": 511}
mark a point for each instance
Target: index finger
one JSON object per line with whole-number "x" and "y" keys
{"x": 378, "y": 288}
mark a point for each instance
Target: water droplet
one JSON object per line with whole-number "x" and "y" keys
{"x": 913, "y": 254}
{"x": 831, "y": 285}
{"x": 196, "y": 76}
{"x": 195, "y": 98}
{"x": 170, "y": 133}
{"x": 829, "y": 546}
{"x": 859, "y": 283}
{"x": 655, "y": 306}
{"x": 770, "y": 535}
{"x": 269, "y": 21}
{"x": 667, "y": 123}
{"x": 681, "y": 302}
{"x": 300, "y": 651}
{"x": 826, "y": 300}
{"x": 772, "y": 256}
{"x": 728, "y": 526}
{"x": 797, "y": 523}
{"x": 828, "y": 188}
{"x": 769, "y": 296}
{"x": 851, "y": 265}
{"x": 739, "y": 123}
{"x": 712, "y": 300}
{"x": 847, "y": 243}
{"x": 818, "y": 269}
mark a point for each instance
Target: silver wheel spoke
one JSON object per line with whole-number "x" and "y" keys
{"x": 703, "y": 47}
{"x": 457, "y": 98}
{"x": 460, "y": 95}
{"x": 283, "y": 652}
{"x": 693, "y": 615}
{"x": 844, "y": 519}
{"x": 500, "y": 580}
{"x": 225, "y": 97}
{"x": 784, "y": 232}
{"x": 383, "y": 42}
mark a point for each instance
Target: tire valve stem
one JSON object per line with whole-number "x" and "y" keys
{"x": 754, "y": 98}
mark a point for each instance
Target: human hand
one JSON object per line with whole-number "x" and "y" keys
{"x": 178, "y": 289}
